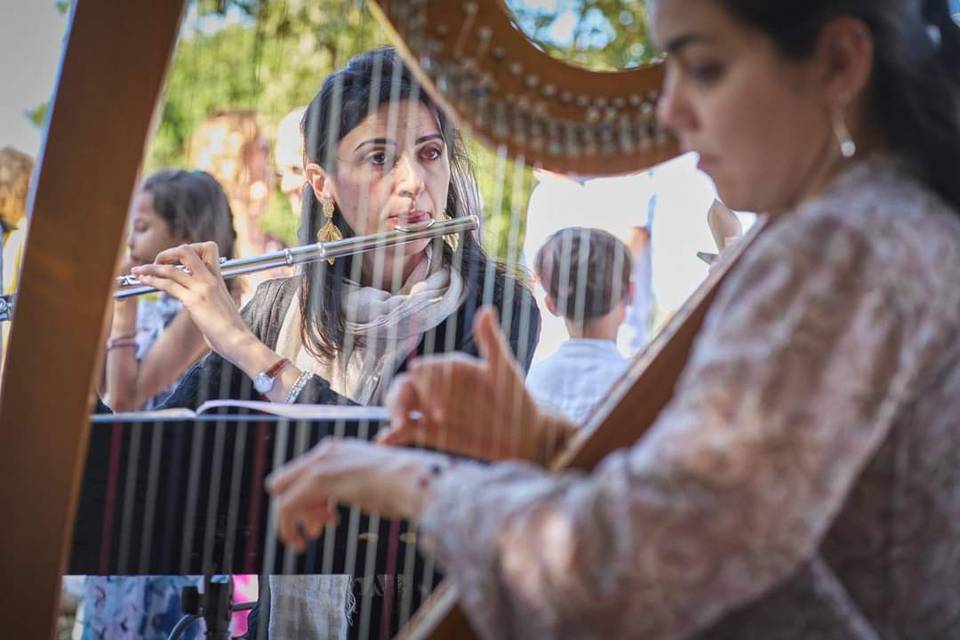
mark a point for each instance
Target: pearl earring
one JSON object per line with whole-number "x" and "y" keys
{"x": 848, "y": 148}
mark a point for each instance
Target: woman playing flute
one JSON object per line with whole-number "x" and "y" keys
{"x": 378, "y": 155}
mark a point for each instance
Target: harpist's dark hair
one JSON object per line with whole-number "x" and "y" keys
{"x": 915, "y": 91}
{"x": 346, "y": 98}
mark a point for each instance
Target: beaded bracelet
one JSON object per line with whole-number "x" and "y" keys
{"x": 298, "y": 386}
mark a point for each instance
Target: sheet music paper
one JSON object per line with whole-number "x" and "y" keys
{"x": 291, "y": 411}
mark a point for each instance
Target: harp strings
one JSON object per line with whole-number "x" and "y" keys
{"x": 216, "y": 469}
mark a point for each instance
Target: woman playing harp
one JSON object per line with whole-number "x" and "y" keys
{"x": 378, "y": 155}
{"x": 804, "y": 480}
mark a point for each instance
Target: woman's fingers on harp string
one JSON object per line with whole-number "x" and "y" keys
{"x": 490, "y": 340}
{"x": 303, "y": 509}
{"x": 310, "y": 523}
{"x": 503, "y": 373}
{"x": 407, "y": 420}
{"x": 281, "y": 479}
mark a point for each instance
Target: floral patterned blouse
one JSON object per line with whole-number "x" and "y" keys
{"x": 804, "y": 482}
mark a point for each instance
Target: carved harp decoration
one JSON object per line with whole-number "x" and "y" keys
{"x": 476, "y": 63}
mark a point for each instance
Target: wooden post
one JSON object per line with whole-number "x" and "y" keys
{"x": 110, "y": 76}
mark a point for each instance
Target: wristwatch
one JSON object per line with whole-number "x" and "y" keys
{"x": 263, "y": 382}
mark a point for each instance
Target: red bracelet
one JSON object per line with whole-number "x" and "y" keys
{"x": 277, "y": 368}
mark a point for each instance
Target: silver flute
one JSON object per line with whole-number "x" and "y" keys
{"x": 128, "y": 286}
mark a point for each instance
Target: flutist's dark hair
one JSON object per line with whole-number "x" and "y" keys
{"x": 368, "y": 82}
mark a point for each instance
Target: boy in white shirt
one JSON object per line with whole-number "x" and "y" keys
{"x": 586, "y": 275}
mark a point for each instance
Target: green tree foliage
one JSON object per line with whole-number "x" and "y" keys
{"x": 272, "y": 58}
{"x": 598, "y": 34}
{"x": 38, "y": 115}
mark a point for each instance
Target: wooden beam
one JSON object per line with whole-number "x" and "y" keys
{"x": 110, "y": 76}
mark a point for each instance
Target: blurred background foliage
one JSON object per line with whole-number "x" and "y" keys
{"x": 604, "y": 35}
{"x": 269, "y": 56}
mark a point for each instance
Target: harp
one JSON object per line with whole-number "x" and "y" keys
{"x": 475, "y": 60}
{"x": 472, "y": 60}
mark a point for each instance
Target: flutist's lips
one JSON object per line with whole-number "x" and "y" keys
{"x": 410, "y": 217}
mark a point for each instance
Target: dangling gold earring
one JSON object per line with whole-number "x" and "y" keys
{"x": 452, "y": 240}
{"x": 848, "y": 148}
{"x": 329, "y": 232}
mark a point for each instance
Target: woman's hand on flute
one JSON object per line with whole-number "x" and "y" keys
{"x": 473, "y": 407}
{"x": 202, "y": 292}
{"x": 393, "y": 483}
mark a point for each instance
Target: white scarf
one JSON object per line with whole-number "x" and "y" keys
{"x": 388, "y": 326}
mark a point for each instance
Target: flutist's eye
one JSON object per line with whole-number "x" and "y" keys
{"x": 432, "y": 152}
{"x": 384, "y": 159}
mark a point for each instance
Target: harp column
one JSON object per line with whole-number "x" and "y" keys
{"x": 110, "y": 76}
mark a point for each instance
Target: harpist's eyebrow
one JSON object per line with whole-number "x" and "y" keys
{"x": 678, "y": 43}
{"x": 385, "y": 141}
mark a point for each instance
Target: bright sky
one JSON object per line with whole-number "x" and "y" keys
{"x": 31, "y": 33}
{"x": 31, "y": 37}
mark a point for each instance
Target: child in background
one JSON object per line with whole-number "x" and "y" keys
{"x": 586, "y": 275}
{"x": 152, "y": 340}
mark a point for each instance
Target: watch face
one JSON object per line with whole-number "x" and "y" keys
{"x": 262, "y": 383}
